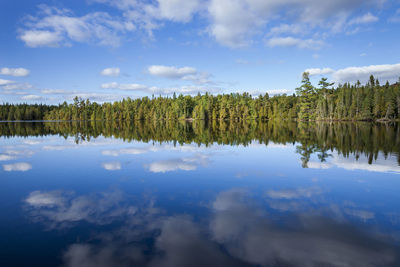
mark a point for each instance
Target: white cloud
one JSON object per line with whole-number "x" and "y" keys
{"x": 367, "y": 18}
{"x": 111, "y": 166}
{"x": 232, "y": 23}
{"x": 20, "y": 166}
{"x": 96, "y": 96}
{"x": 175, "y": 10}
{"x": 110, "y": 72}
{"x": 396, "y": 17}
{"x": 55, "y": 92}
{"x": 31, "y": 97}
{"x": 5, "y": 82}
{"x": 235, "y": 22}
{"x": 127, "y": 86}
{"x": 5, "y": 157}
{"x": 188, "y": 90}
{"x": 55, "y": 27}
{"x": 184, "y": 73}
{"x": 287, "y": 29}
{"x": 294, "y": 42}
{"x": 18, "y": 72}
{"x": 317, "y": 71}
{"x": 270, "y": 92}
{"x": 170, "y": 71}
{"x": 37, "y": 38}
{"x": 17, "y": 86}
{"x": 294, "y": 193}
{"x": 385, "y": 72}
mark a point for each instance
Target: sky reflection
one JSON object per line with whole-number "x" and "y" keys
{"x": 105, "y": 201}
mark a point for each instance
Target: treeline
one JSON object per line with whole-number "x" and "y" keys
{"x": 24, "y": 112}
{"x": 371, "y": 101}
{"x": 321, "y": 138}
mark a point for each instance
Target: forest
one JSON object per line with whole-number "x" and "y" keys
{"x": 345, "y": 102}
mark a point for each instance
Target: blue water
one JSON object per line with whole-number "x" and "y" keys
{"x": 109, "y": 202}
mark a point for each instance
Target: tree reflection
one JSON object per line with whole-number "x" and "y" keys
{"x": 362, "y": 138}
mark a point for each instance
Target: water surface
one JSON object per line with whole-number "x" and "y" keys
{"x": 192, "y": 194}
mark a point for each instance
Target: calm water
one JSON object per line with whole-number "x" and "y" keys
{"x": 94, "y": 194}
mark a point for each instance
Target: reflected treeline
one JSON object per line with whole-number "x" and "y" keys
{"x": 361, "y": 138}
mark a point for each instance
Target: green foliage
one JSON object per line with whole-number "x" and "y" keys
{"x": 345, "y": 102}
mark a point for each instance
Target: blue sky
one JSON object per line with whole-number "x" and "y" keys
{"x": 104, "y": 50}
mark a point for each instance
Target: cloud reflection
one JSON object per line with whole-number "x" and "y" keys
{"x": 59, "y": 209}
{"x": 238, "y": 233}
{"x": 184, "y": 164}
{"x": 248, "y": 233}
{"x": 111, "y": 166}
{"x": 20, "y": 166}
{"x": 381, "y": 164}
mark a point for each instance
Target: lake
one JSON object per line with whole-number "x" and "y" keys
{"x": 198, "y": 194}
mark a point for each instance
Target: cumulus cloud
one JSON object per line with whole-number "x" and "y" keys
{"x": 110, "y": 72}
{"x": 127, "y": 86}
{"x": 18, "y": 72}
{"x": 383, "y": 72}
{"x": 20, "y": 166}
{"x": 5, "y": 82}
{"x": 17, "y": 86}
{"x": 294, "y": 42}
{"x": 270, "y": 92}
{"x": 174, "y": 10}
{"x": 184, "y": 73}
{"x": 396, "y": 17}
{"x": 232, "y": 23}
{"x": 31, "y": 97}
{"x": 171, "y": 72}
{"x": 318, "y": 71}
{"x": 367, "y": 18}
{"x": 99, "y": 97}
{"x": 111, "y": 166}
{"x": 389, "y": 72}
{"x": 36, "y": 38}
{"x": 55, "y": 92}
{"x": 55, "y": 27}
{"x": 189, "y": 90}
{"x": 287, "y": 29}
{"x": 5, "y": 157}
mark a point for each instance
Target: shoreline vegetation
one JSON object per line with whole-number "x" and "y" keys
{"x": 356, "y": 139}
{"x": 356, "y": 102}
